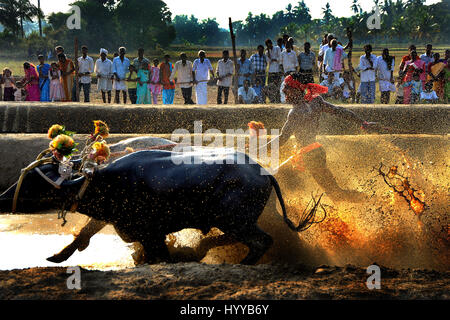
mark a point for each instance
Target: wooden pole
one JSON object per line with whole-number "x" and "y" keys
{"x": 236, "y": 67}
{"x": 349, "y": 46}
{"x": 39, "y": 18}
{"x": 77, "y": 86}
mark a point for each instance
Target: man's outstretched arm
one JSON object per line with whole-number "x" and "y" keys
{"x": 339, "y": 111}
{"x": 346, "y": 114}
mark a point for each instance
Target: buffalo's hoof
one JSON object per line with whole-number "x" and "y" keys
{"x": 83, "y": 245}
{"x": 57, "y": 258}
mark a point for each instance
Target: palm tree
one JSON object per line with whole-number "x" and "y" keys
{"x": 39, "y": 17}
{"x": 289, "y": 13}
{"x": 301, "y": 12}
{"x": 356, "y": 8}
{"x": 26, "y": 11}
{"x": 8, "y": 15}
{"x": 327, "y": 14}
{"x": 13, "y": 13}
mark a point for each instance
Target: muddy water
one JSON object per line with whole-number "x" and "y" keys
{"x": 381, "y": 228}
{"x": 27, "y": 240}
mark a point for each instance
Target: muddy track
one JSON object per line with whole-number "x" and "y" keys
{"x": 226, "y": 281}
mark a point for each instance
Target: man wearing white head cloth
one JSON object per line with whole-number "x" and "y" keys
{"x": 104, "y": 70}
{"x": 201, "y": 70}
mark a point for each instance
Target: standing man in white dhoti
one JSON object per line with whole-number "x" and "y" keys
{"x": 201, "y": 71}
{"x": 104, "y": 70}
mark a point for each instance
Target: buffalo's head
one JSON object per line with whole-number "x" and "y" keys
{"x": 37, "y": 193}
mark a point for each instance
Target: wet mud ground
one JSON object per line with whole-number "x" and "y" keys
{"x": 226, "y": 281}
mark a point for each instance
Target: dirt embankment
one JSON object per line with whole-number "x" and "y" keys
{"x": 226, "y": 281}
{"x": 145, "y": 119}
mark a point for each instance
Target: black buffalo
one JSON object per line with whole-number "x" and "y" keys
{"x": 149, "y": 194}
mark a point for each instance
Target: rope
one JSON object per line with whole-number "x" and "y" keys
{"x": 43, "y": 153}
{"x": 62, "y": 215}
{"x": 30, "y": 167}
{"x": 84, "y": 160}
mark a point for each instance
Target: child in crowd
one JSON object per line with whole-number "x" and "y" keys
{"x": 429, "y": 95}
{"x": 257, "y": 87}
{"x": 416, "y": 88}
{"x": 132, "y": 79}
{"x": 143, "y": 77}
{"x": 155, "y": 83}
{"x": 56, "y": 88}
{"x": 400, "y": 92}
{"x": 335, "y": 85}
{"x": 20, "y": 93}
{"x": 8, "y": 84}
{"x": 348, "y": 86}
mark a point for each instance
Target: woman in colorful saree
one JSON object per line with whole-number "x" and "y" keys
{"x": 412, "y": 66}
{"x": 31, "y": 82}
{"x": 67, "y": 69}
{"x": 436, "y": 75}
{"x": 44, "y": 82}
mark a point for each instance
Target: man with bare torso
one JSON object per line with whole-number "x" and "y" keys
{"x": 303, "y": 122}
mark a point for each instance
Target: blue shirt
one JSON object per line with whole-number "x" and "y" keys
{"x": 121, "y": 68}
{"x": 416, "y": 86}
{"x": 307, "y": 60}
{"x": 259, "y": 63}
{"x": 244, "y": 67}
{"x": 45, "y": 70}
{"x": 426, "y": 59}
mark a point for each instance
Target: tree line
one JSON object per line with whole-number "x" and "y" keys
{"x": 104, "y": 23}
{"x": 149, "y": 24}
{"x": 401, "y": 22}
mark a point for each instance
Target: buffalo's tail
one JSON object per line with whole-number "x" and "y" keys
{"x": 308, "y": 218}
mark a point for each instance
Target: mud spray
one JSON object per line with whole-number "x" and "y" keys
{"x": 383, "y": 227}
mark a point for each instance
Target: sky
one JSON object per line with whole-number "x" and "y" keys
{"x": 236, "y": 9}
